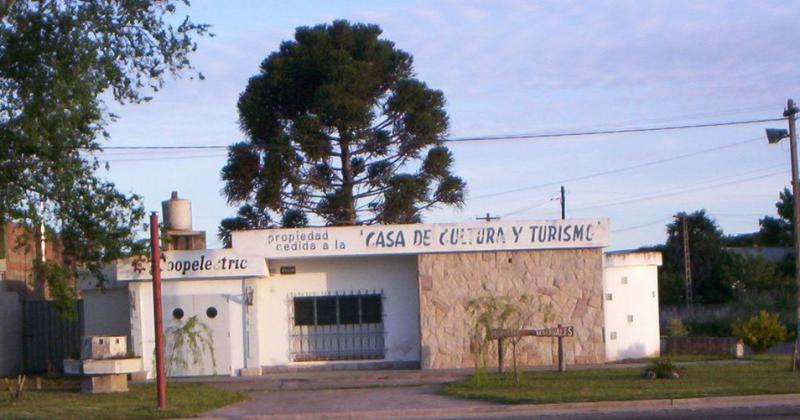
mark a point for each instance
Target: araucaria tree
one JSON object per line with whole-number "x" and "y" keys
{"x": 58, "y": 59}
{"x": 339, "y": 127}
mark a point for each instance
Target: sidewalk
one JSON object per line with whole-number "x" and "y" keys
{"x": 347, "y": 379}
{"x": 414, "y": 394}
{"x": 422, "y": 402}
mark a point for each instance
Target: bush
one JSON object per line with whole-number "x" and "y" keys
{"x": 661, "y": 368}
{"x": 711, "y": 328}
{"x": 761, "y": 331}
{"x": 675, "y": 328}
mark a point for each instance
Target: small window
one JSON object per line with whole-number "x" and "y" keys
{"x": 211, "y": 312}
{"x": 303, "y": 311}
{"x": 177, "y": 313}
{"x": 624, "y": 280}
{"x": 348, "y": 310}
{"x": 371, "y": 309}
{"x": 338, "y": 327}
{"x": 609, "y": 296}
{"x": 326, "y": 311}
{"x": 630, "y": 318}
{"x": 613, "y": 335}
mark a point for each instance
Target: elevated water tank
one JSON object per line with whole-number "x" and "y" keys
{"x": 177, "y": 213}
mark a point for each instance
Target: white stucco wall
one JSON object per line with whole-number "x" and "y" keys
{"x": 396, "y": 276}
{"x": 142, "y": 330}
{"x": 631, "y": 278}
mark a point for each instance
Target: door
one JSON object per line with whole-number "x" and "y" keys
{"x": 197, "y": 335}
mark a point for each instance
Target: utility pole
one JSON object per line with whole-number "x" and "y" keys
{"x": 488, "y": 217}
{"x": 790, "y": 113}
{"x": 155, "y": 260}
{"x": 775, "y": 135}
{"x": 687, "y": 261}
{"x": 563, "y": 205}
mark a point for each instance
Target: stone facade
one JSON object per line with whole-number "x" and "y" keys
{"x": 570, "y": 281}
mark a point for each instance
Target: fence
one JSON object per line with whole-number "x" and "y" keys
{"x": 47, "y": 339}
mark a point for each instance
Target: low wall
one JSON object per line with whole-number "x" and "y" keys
{"x": 711, "y": 346}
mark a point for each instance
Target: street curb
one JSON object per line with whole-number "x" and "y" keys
{"x": 554, "y": 409}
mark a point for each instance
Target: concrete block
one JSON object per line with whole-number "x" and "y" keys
{"x": 139, "y": 376}
{"x": 112, "y": 366}
{"x": 103, "y": 347}
{"x": 256, "y": 371}
{"x": 104, "y": 384}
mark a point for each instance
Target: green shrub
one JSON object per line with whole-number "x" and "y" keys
{"x": 712, "y": 328}
{"x": 661, "y": 368}
{"x": 761, "y": 331}
{"x": 675, "y": 328}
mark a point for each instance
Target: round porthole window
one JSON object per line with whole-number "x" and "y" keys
{"x": 177, "y": 313}
{"x": 211, "y": 312}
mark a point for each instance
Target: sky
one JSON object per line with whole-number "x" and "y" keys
{"x": 521, "y": 67}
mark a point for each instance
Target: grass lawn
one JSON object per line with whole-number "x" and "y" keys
{"x": 61, "y": 398}
{"x": 764, "y": 375}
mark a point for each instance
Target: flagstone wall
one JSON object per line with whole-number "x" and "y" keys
{"x": 571, "y": 281}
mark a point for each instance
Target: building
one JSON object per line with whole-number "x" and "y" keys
{"x": 19, "y": 251}
{"x": 384, "y": 296}
{"x": 630, "y": 304}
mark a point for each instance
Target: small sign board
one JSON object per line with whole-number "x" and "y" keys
{"x": 560, "y": 331}
{"x": 207, "y": 263}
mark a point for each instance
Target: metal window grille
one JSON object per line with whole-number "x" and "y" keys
{"x": 341, "y": 326}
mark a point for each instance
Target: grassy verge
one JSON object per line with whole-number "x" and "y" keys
{"x": 61, "y": 398}
{"x": 765, "y": 375}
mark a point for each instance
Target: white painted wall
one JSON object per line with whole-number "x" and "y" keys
{"x": 395, "y": 275}
{"x": 640, "y": 336}
{"x": 142, "y": 329}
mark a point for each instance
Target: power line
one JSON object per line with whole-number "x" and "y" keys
{"x": 683, "y": 191}
{"x": 538, "y": 204}
{"x": 164, "y": 147}
{"x": 505, "y": 136}
{"x": 643, "y": 225}
{"x": 614, "y": 171}
{"x": 148, "y": 159}
{"x": 618, "y": 131}
{"x": 691, "y": 188}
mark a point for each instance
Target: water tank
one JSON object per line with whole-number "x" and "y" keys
{"x": 177, "y": 213}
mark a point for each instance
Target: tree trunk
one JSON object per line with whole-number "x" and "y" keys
{"x": 514, "y": 357}
{"x": 349, "y": 205}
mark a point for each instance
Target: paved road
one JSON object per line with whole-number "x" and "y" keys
{"x": 787, "y": 412}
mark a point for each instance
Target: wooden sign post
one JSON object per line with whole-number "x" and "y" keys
{"x": 560, "y": 332}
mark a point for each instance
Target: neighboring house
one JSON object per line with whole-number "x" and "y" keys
{"x": 18, "y": 259}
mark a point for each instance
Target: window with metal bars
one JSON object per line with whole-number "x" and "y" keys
{"x": 337, "y": 327}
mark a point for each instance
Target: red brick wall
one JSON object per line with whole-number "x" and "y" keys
{"x": 20, "y": 258}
